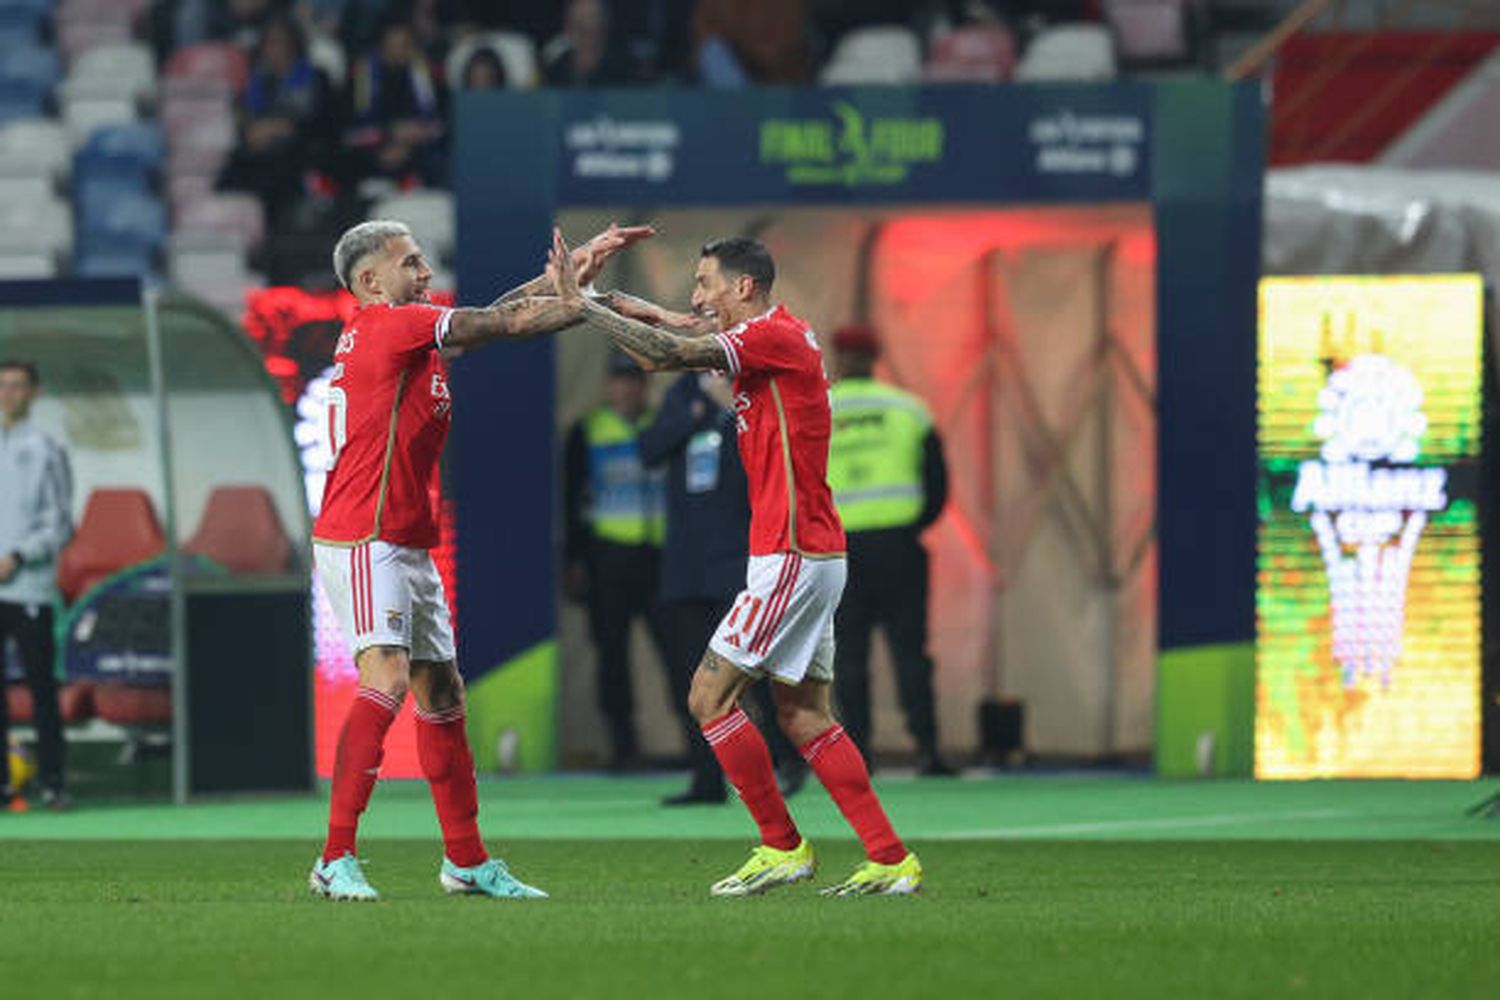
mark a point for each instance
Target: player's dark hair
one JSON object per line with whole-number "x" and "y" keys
{"x": 33, "y": 374}
{"x": 743, "y": 255}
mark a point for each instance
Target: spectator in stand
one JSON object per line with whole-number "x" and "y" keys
{"x": 537, "y": 21}
{"x": 431, "y": 23}
{"x": 762, "y": 42}
{"x": 585, "y": 55}
{"x": 483, "y": 70}
{"x": 358, "y": 22}
{"x": 237, "y": 21}
{"x": 287, "y": 114}
{"x": 397, "y": 103}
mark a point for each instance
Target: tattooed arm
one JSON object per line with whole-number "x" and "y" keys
{"x": 654, "y": 348}
{"x": 522, "y": 317}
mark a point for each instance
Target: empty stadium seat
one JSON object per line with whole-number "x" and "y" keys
{"x": 135, "y": 150}
{"x": 516, "y": 51}
{"x": 20, "y": 26}
{"x": 118, "y": 529}
{"x": 885, "y": 54}
{"x": 25, "y": 186}
{"x": 74, "y": 38}
{"x": 125, "y": 217}
{"x": 34, "y": 145}
{"x": 36, "y": 227}
{"x": 127, "y": 704}
{"x": 75, "y": 702}
{"x": 977, "y": 53}
{"x": 31, "y": 62}
{"x": 81, "y": 116}
{"x": 30, "y": 264}
{"x": 240, "y": 214}
{"x": 211, "y": 265}
{"x": 429, "y": 214}
{"x": 241, "y": 531}
{"x": 21, "y": 99}
{"x": 1150, "y": 30}
{"x": 97, "y": 258}
{"x": 219, "y": 61}
{"x": 1069, "y": 52}
{"x": 112, "y": 71}
{"x": 205, "y": 123}
{"x": 184, "y": 190}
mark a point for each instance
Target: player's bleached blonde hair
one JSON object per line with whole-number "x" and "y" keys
{"x": 358, "y": 242}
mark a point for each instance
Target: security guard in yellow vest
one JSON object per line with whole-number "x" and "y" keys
{"x": 889, "y": 482}
{"x": 612, "y": 537}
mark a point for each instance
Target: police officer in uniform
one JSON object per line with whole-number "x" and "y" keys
{"x": 36, "y": 521}
{"x": 889, "y": 483}
{"x": 612, "y": 537}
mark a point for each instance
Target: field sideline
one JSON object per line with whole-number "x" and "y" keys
{"x": 1048, "y": 887}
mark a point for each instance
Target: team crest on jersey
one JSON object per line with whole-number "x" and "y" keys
{"x": 346, "y": 343}
{"x": 394, "y": 620}
{"x": 442, "y": 401}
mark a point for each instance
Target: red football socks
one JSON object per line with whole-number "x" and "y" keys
{"x": 746, "y": 761}
{"x": 837, "y": 762}
{"x": 448, "y": 763}
{"x": 356, "y": 766}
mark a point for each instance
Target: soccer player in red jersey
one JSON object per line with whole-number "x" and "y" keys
{"x": 782, "y": 624}
{"x": 388, "y": 415}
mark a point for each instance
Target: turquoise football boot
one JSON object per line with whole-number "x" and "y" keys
{"x": 491, "y": 878}
{"x": 341, "y": 878}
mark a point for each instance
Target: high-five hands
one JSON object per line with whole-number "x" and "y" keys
{"x": 562, "y": 269}
{"x": 590, "y": 258}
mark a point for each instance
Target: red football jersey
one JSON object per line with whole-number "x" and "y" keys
{"x": 388, "y": 416}
{"x": 781, "y": 401}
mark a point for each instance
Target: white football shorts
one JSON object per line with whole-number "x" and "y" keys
{"x": 387, "y": 595}
{"x": 781, "y": 625}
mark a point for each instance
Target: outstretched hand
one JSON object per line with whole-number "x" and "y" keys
{"x": 589, "y": 259}
{"x": 562, "y": 270}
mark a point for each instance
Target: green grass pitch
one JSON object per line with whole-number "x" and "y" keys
{"x": 1036, "y": 888}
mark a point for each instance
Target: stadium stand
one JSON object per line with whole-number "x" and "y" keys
{"x": 76, "y": 68}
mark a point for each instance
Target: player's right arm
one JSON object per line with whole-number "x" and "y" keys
{"x": 518, "y": 318}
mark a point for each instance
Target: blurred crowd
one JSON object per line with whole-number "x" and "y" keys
{"x": 344, "y": 93}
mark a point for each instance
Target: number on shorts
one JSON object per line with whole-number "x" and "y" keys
{"x": 751, "y": 605}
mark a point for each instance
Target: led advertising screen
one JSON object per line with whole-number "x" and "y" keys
{"x": 1368, "y": 555}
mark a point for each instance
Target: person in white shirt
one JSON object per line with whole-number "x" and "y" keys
{"x": 36, "y": 504}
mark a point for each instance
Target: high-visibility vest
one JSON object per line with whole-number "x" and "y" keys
{"x": 627, "y": 504}
{"x": 875, "y": 454}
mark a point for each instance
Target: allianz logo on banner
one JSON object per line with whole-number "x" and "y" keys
{"x": 1368, "y": 505}
{"x": 606, "y": 149}
{"x": 1068, "y": 143}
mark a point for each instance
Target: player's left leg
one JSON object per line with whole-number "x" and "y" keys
{"x": 443, "y": 743}
{"x": 805, "y": 713}
{"x": 783, "y": 856}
